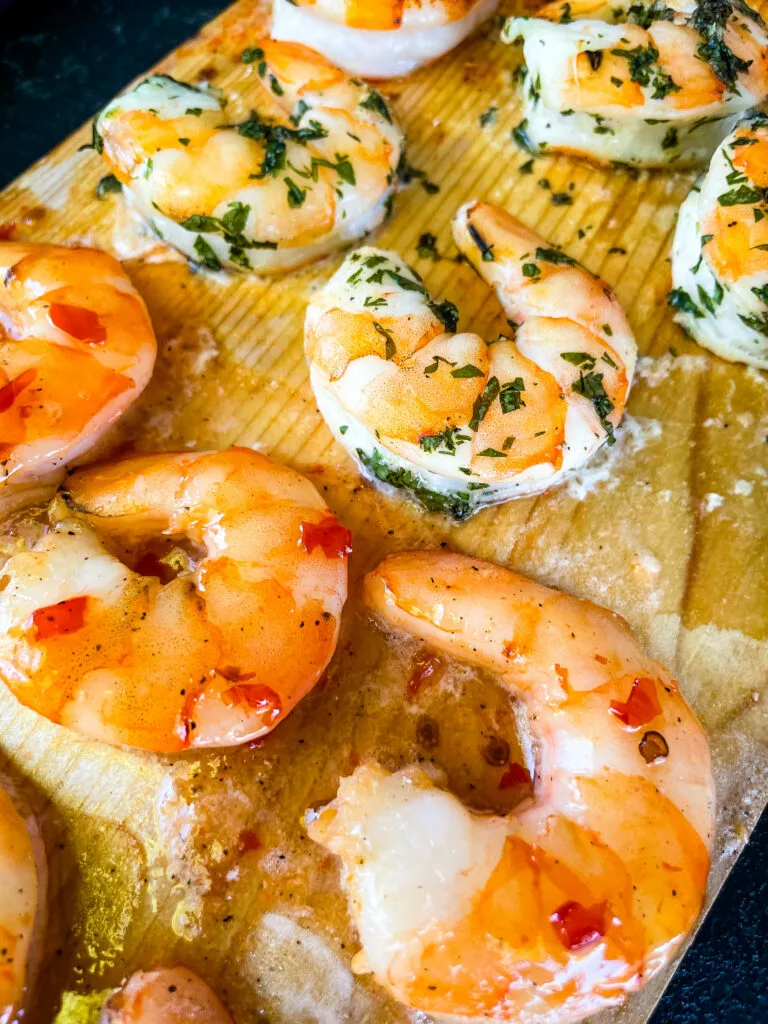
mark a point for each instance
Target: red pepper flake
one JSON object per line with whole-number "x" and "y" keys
{"x": 515, "y": 775}
{"x": 78, "y": 322}
{"x": 10, "y": 391}
{"x": 578, "y": 926}
{"x": 427, "y": 668}
{"x": 257, "y": 697}
{"x": 249, "y": 841}
{"x": 61, "y": 618}
{"x": 640, "y": 707}
{"x": 328, "y": 534}
{"x": 7, "y": 231}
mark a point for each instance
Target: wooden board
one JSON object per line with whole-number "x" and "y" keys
{"x": 668, "y": 528}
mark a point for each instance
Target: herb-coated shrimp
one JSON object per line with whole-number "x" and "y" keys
{"x": 720, "y": 252}
{"x": 170, "y": 995}
{"x": 582, "y": 892}
{"x": 458, "y": 421}
{"x": 379, "y": 38}
{"x": 76, "y": 348}
{"x": 268, "y": 193}
{"x": 215, "y": 656}
{"x": 649, "y": 83}
{"x": 22, "y": 900}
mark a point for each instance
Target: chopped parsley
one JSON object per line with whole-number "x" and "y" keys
{"x": 275, "y": 138}
{"x": 556, "y": 257}
{"x": 375, "y": 102}
{"x": 680, "y": 300}
{"x": 710, "y": 20}
{"x": 489, "y": 116}
{"x": 467, "y": 371}
{"x": 109, "y": 183}
{"x": 511, "y": 395}
{"x": 644, "y": 70}
{"x": 483, "y": 402}
{"x": 206, "y": 257}
{"x": 590, "y": 385}
{"x": 455, "y": 504}
{"x": 444, "y": 443}
{"x": 390, "y": 349}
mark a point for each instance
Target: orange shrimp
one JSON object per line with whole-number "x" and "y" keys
{"x": 268, "y": 193}
{"x": 22, "y": 903}
{"x": 647, "y": 83}
{"x": 379, "y": 38}
{"x": 584, "y": 891}
{"x": 178, "y": 600}
{"x": 457, "y": 421}
{"x": 169, "y": 995}
{"x": 720, "y": 252}
{"x": 76, "y": 348}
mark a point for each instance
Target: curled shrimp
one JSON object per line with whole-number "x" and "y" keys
{"x": 267, "y": 193}
{"x": 22, "y": 904}
{"x": 76, "y": 348}
{"x": 458, "y": 421}
{"x": 170, "y": 995}
{"x": 178, "y": 600}
{"x": 648, "y": 84}
{"x": 720, "y": 252}
{"x": 379, "y": 38}
{"x": 582, "y": 892}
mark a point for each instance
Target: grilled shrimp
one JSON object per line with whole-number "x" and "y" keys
{"x": 583, "y": 891}
{"x": 22, "y": 891}
{"x": 458, "y": 421}
{"x": 113, "y": 630}
{"x": 720, "y": 252}
{"x": 76, "y": 348}
{"x": 268, "y": 193}
{"x": 379, "y": 38}
{"x": 170, "y": 995}
{"x": 648, "y": 83}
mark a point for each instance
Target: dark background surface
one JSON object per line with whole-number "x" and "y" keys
{"x": 60, "y": 60}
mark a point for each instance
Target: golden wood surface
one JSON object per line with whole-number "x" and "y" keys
{"x": 668, "y": 528}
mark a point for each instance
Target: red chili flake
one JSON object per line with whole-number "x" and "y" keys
{"x": 578, "y": 926}
{"x": 256, "y": 696}
{"x": 515, "y": 775}
{"x": 78, "y": 322}
{"x": 328, "y": 534}
{"x": 249, "y": 841}
{"x": 10, "y": 391}
{"x": 57, "y": 619}
{"x": 640, "y": 707}
{"x": 427, "y": 668}
{"x": 7, "y": 231}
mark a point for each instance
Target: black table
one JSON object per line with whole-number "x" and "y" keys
{"x": 60, "y": 60}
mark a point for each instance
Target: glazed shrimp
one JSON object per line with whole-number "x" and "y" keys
{"x": 457, "y": 421}
{"x": 379, "y": 38}
{"x": 170, "y": 995}
{"x": 720, "y": 252}
{"x": 76, "y": 348}
{"x": 22, "y": 892}
{"x": 648, "y": 84}
{"x": 215, "y": 656}
{"x": 583, "y": 891}
{"x": 268, "y": 193}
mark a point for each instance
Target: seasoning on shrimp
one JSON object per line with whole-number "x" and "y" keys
{"x": 720, "y": 251}
{"x": 76, "y": 348}
{"x": 647, "y": 84}
{"x": 457, "y": 421}
{"x": 242, "y": 628}
{"x": 22, "y": 905}
{"x": 311, "y": 170}
{"x": 587, "y": 888}
{"x": 379, "y": 38}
